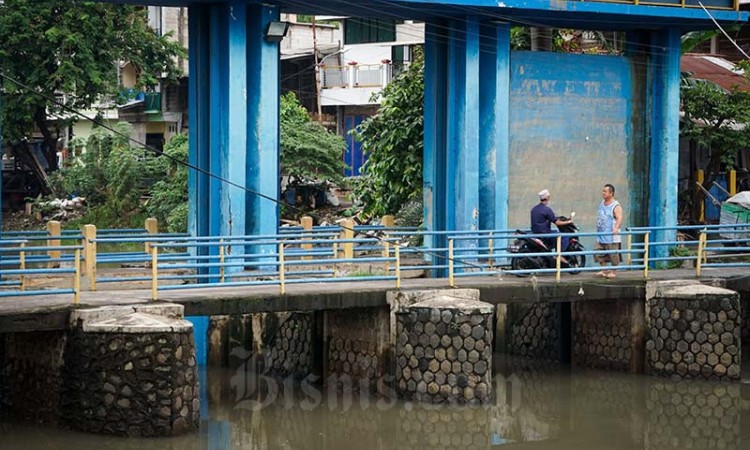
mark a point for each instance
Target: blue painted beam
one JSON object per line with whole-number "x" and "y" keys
{"x": 262, "y": 164}
{"x": 219, "y": 108}
{"x": 435, "y": 105}
{"x": 566, "y": 13}
{"x": 462, "y": 141}
{"x": 199, "y": 124}
{"x": 664, "y": 93}
{"x": 494, "y": 110}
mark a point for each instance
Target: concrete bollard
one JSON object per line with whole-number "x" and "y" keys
{"x": 152, "y": 227}
{"x": 307, "y": 225}
{"x": 347, "y": 232}
{"x": 89, "y": 254}
{"x": 53, "y": 230}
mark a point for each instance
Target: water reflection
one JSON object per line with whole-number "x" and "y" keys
{"x": 535, "y": 406}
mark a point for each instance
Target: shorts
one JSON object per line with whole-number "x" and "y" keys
{"x": 613, "y": 258}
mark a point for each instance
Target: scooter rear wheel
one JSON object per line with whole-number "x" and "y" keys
{"x": 524, "y": 263}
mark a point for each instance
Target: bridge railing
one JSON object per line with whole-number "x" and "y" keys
{"x": 271, "y": 260}
{"x": 479, "y": 259}
{"x": 20, "y": 261}
{"x": 695, "y": 245}
{"x": 723, "y": 246}
{"x": 169, "y": 261}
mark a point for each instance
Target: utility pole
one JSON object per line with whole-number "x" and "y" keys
{"x": 317, "y": 71}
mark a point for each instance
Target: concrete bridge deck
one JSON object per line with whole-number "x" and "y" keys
{"x": 52, "y": 312}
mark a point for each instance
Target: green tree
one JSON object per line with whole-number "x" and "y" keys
{"x": 393, "y": 140}
{"x": 111, "y": 175}
{"x": 308, "y": 150}
{"x": 169, "y": 200}
{"x": 717, "y": 120}
{"x": 70, "y": 49}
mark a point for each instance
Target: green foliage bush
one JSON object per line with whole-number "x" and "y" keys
{"x": 393, "y": 140}
{"x": 308, "y": 150}
{"x": 169, "y": 195}
{"x": 111, "y": 175}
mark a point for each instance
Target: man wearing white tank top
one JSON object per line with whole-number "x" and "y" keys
{"x": 608, "y": 221}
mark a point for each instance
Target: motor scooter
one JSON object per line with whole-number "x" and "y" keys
{"x": 527, "y": 264}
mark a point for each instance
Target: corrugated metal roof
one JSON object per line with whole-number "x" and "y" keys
{"x": 714, "y": 69}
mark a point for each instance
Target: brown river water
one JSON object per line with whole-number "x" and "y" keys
{"x": 535, "y": 406}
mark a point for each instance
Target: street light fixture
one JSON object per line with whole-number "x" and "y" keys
{"x": 275, "y": 31}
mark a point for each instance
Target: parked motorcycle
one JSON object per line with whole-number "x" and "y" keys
{"x": 537, "y": 245}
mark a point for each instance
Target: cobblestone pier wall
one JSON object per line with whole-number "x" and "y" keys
{"x": 444, "y": 351}
{"x": 694, "y": 332}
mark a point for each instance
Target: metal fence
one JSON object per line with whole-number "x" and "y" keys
{"x": 348, "y": 253}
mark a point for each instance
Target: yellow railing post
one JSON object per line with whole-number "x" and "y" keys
{"x": 558, "y": 262}
{"x": 282, "y": 287}
{"x": 398, "y": 266}
{"x": 154, "y": 273}
{"x": 307, "y": 226}
{"x": 387, "y": 221}
{"x": 700, "y": 177}
{"x": 22, "y": 264}
{"x": 53, "y": 230}
{"x": 77, "y": 278}
{"x": 450, "y": 262}
{"x": 152, "y": 227}
{"x": 699, "y": 262}
{"x": 732, "y": 182}
{"x": 347, "y": 233}
{"x": 645, "y": 254}
{"x": 222, "y": 271}
{"x": 629, "y": 256}
{"x": 89, "y": 254}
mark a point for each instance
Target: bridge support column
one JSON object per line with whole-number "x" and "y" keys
{"x": 435, "y": 105}
{"x": 494, "y": 111}
{"x": 456, "y": 195}
{"x": 262, "y": 126}
{"x": 664, "y": 99}
{"x": 233, "y": 121}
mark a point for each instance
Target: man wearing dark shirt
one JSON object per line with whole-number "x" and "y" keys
{"x": 542, "y": 217}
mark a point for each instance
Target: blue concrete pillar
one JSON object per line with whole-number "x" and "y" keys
{"x": 262, "y": 125}
{"x": 218, "y": 130}
{"x": 200, "y": 208}
{"x": 664, "y": 95}
{"x": 494, "y": 108}
{"x": 452, "y": 124}
{"x": 435, "y": 106}
{"x": 462, "y": 141}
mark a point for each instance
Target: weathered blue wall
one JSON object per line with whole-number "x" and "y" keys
{"x": 575, "y": 124}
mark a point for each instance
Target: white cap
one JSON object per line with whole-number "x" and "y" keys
{"x": 543, "y": 194}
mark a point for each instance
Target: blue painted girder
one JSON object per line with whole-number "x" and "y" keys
{"x": 595, "y": 15}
